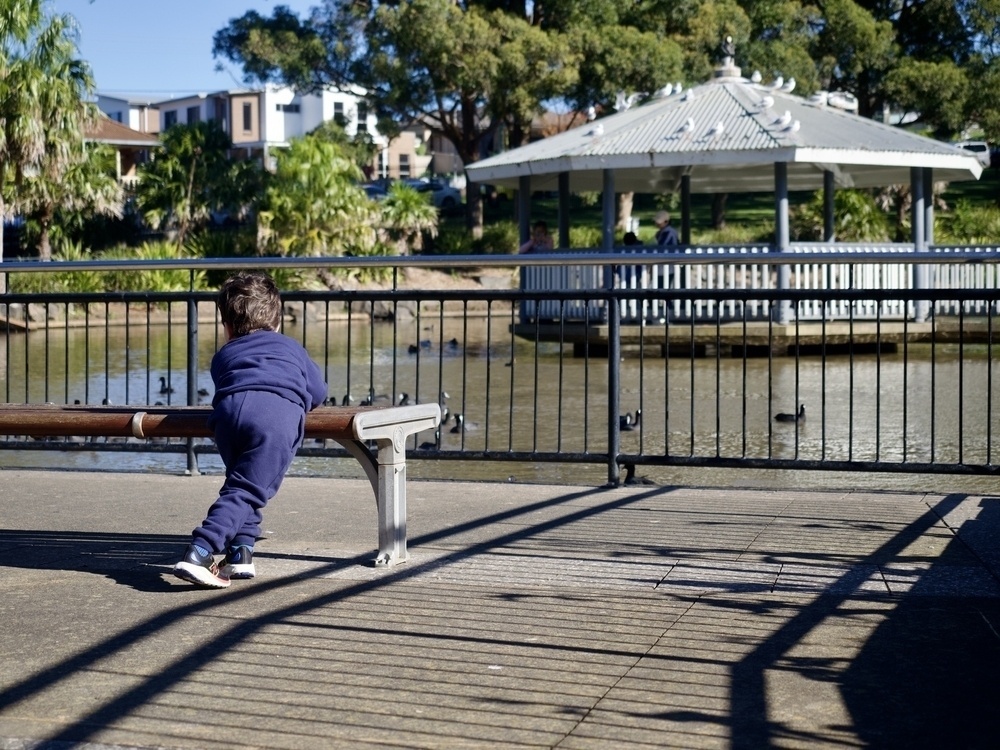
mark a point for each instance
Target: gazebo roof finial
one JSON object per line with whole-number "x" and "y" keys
{"x": 727, "y": 67}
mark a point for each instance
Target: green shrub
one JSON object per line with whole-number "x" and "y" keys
{"x": 970, "y": 225}
{"x": 580, "y": 237}
{"x": 502, "y": 238}
{"x": 857, "y": 218}
{"x": 451, "y": 240}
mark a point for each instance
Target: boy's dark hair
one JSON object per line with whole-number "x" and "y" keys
{"x": 249, "y": 301}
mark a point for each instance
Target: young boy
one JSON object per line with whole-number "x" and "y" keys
{"x": 265, "y": 383}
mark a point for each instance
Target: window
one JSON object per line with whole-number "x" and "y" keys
{"x": 293, "y": 108}
{"x": 116, "y": 116}
{"x": 193, "y": 115}
{"x": 362, "y": 117}
{"x": 247, "y": 117}
{"x": 338, "y": 114}
{"x": 170, "y": 118}
{"x": 404, "y": 166}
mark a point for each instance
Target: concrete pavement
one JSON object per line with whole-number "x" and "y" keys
{"x": 527, "y": 617}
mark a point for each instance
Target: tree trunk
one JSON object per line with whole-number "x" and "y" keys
{"x": 625, "y": 211}
{"x": 45, "y": 235}
{"x": 719, "y": 210}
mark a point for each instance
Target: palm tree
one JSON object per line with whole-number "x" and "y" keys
{"x": 42, "y": 93}
{"x": 87, "y": 186}
{"x": 406, "y": 216}
{"x": 186, "y": 180}
{"x": 314, "y": 205}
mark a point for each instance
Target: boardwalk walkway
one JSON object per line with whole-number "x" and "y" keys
{"x": 527, "y": 617}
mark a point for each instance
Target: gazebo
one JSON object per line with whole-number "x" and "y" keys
{"x": 729, "y": 135}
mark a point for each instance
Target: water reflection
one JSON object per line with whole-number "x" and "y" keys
{"x": 916, "y": 405}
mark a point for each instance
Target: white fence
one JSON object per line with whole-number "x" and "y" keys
{"x": 753, "y": 267}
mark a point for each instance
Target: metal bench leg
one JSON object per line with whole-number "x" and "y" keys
{"x": 387, "y": 475}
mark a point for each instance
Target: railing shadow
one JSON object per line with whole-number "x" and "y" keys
{"x": 928, "y": 664}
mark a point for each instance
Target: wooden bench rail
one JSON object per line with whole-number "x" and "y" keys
{"x": 355, "y": 428}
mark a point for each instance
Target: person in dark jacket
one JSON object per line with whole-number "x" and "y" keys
{"x": 666, "y": 235}
{"x": 265, "y": 383}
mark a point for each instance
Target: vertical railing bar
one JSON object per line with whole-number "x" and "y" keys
{"x": 371, "y": 352}
{"x": 149, "y": 348}
{"x": 489, "y": 381}
{"x": 989, "y": 386}
{"x": 718, "y": 380}
{"x": 961, "y": 384}
{"x": 878, "y": 381}
{"x": 666, "y": 377}
{"x": 66, "y": 352}
{"x": 933, "y": 386}
{"x": 745, "y": 382}
{"x": 107, "y": 352}
{"x": 465, "y": 371}
{"x": 86, "y": 352}
{"x": 45, "y": 394}
{"x": 394, "y": 394}
{"x": 798, "y": 376}
{"x": 692, "y": 351}
{"x": 350, "y": 351}
{"x": 128, "y": 350}
{"x": 534, "y": 395}
{"x": 586, "y": 378}
{"x": 512, "y": 363}
{"x": 822, "y": 377}
{"x": 773, "y": 303}
{"x": 850, "y": 387}
{"x": 906, "y": 389}
{"x": 562, "y": 374}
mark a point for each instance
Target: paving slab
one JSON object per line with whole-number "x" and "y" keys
{"x": 528, "y": 616}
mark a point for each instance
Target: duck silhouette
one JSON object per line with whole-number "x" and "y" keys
{"x": 629, "y": 423}
{"x": 164, "y": 388}
{"x": 462, "y": 425}
{"x": 799, "y": 417}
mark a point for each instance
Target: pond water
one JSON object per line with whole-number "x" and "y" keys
{"x": 919, "y": 406}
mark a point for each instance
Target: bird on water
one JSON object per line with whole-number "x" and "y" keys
{"x": 799, "y": 417}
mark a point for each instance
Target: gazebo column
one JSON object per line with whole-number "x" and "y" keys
{"x": 524, "y": 232}
{"x": 563, "y": 210}
{"x": 524, "y": 208}
{"x": 614, "y": 326}
{"x": 781, "y": 238}
{"x": 921, "y": 272}
{"x": 685, "y": 209}
{"x": 829, "y": 233}
{"x": 929, "y": 206}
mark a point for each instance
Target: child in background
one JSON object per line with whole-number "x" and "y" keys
{"x": 265, "y": 383}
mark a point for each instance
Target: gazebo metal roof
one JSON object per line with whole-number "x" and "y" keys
{"x": 727, "y": 135}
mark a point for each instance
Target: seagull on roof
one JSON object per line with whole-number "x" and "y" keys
{"x": 678, "y": 87}
{"x": 784, "y": 120}
{"x": 755, "y": 78}
{"x": 792, "y": 127}
{"x": 591, "y": 113}
{"x": 777, "y": 83}
{"x": 663, "y": 93}
{"x": 597, "y": 130}
{"x": 789, "y": 86}
{"x": 687, "y": 126}
{"x": 717, "y": 130}
{"x": 767, "y": 102}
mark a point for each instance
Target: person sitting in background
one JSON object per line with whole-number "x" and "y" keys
{"x": 665, "y": 234}
{"x": 630, "y": 238}
{"x": 540, "y": 240}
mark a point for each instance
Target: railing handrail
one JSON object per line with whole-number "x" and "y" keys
{"x": 686, "y": 255}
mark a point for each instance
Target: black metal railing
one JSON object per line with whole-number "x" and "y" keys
{"x": 884, "y": 395}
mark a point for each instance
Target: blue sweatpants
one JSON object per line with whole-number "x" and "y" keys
{"x": 257, "y": 434}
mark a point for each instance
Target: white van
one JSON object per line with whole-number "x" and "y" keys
{"x": 981, "y": 149}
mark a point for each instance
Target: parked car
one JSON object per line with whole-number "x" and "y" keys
{"x": 981, "y": 150}
{"x": 442, "y": 195}
{"x": 376, "y": 192}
